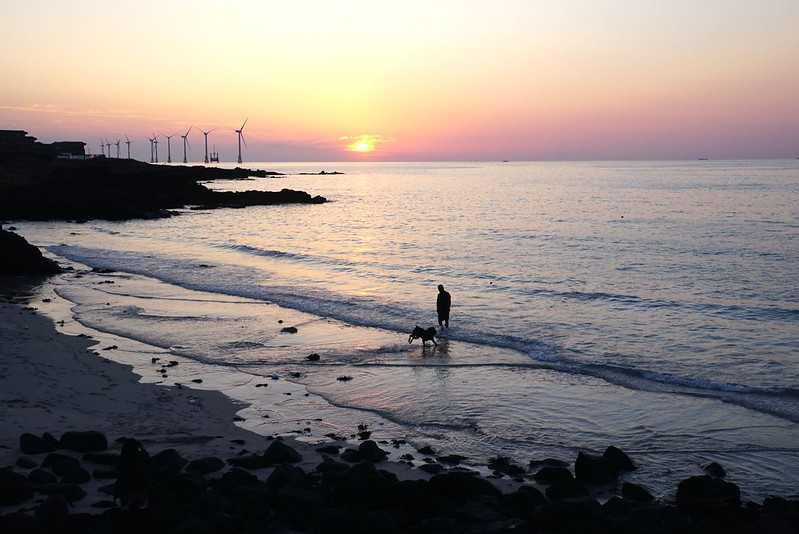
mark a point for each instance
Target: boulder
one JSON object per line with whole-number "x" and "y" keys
{"x": 715, "y": 470}
{"x": 567, "y": 490}
{"x": 593, "y": 469}
{"x": 368, "y": 450}
{"x": 312, "y": 357}
{"x": 40, "y": 476}
{"x": 451, "y": 459}
{"x": 289, "y": 330}
{"x": 14, "y": 488}
{"x": 53, "y": 512}
{"x": 205, "y": 466}
{"x": 71, "y": 492}
{"x": 89, "y": 441}
{"x": 286, "y": 475}
{"x": 634, "y": 492}
{"x": 547, "y": 462}
{"x": 459, "y": 485}
{"x": 31, "y": 444}
{"x": 110, "y": 459}
{"x": 618, "y": 459}
{"x": 167, "y": 462}
{"x": 505, "y": 466}
{"x": 66, "y": 467}
{"x": 704, "y": 492}
{"x": 330, "y": 466}
{"x": 525, "y": 499}
{"x": 280, "y": 453}
{"x": 553, "y": 475}
{"x": 20, "y": 257}
{"x": 26, "y": 462}
{"x": 248, "y": 461}
{"x": 432, "y": 469}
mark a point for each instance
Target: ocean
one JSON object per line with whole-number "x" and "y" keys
{"x": 649, "y": 305}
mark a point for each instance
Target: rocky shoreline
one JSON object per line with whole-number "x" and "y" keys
{"x": 119, "y": 189}
{"x": 347, "y": 491}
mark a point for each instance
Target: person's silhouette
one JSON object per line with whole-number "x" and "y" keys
{"x": 443, "y": 303}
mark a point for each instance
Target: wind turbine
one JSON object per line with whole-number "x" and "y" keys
{"x": 155, "y": 143}
{"x": 150, "y": 139}
{"x": 240, "y": 133}
{"x": 117, "y": 144}
{"x": 206, "y": 143}
{"x": 108, "y": 146}
{"x": 169, "y": 147}
{"x": 186, "y": 142}
{"x": 102, "y": 147}
{"x": 127, "y": 142}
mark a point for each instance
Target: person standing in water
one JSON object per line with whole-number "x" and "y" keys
{"x": 443, "y": 303}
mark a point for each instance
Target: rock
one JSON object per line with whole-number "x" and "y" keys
{"x": 451, "y": 459}
{"x": 329, "y": 466}
{"x": 312, "y": 357}
{"x": 715, "y": 470}
{"x": 110, "y": 459}
{"x": 72, "y": 492}
{"x": 505, "y": 466}
{"x": 286, "y": 475}
{"x": 367, "y": 451}
{"x": 197, "y": 380}
{"x": 289, "y": 329}
{"x": 89, "y": 441}
{"x": 702, "y": 492}
{"x": 248, "y": 461}
{"x": 593, "y": 469}
{"x": 344, "y": 378}
{"x": 26, "y": 462}
{"x": 427, "y": 450}
{"x": 40, "y": 476}
{"x": 636, "y": 493}
{"x": 53, "y": 512}
{"x": 205, "y": 466}
{"x": 280, "y": 453}
{"x": 433, "y": 469}
{"x": 618, "y": 459}
{"x": 547, "y": 462}
{"x": 66, "y": 467}
{"x": 103, "y": 504}
{"x": 566, "y": 490}
{"x": 459, "y": 486}
{"x": 553, "y": 475}
{"x": 14, "y": 488}
{"x": 167, "y": 462}
{"x": 30, "y": 444}
{"x": 328, "y": 449}
{"x": 20, "y": 257}
{"x": 525, "y": 499}
{"x": 235, "y": 481}
{"x": 105, "y": 474}
{"x": 362, "y": 483}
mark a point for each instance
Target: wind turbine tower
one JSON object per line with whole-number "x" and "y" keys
{"x": 127, "y": 142}
{"x": 185, "y": 143}
{"x": 102, "y": 147}
{"x": 117, "y": 144}
{"x": 206, "y": 143}
{"x": 150, "y": 139}
{"x": 108, "y": 146}
{"x": 240, "y": 133}
{"x": 155, "y": 143}
{"x": 169, "y": 147}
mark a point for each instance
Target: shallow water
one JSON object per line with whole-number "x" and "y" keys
{"x": 648, "y": 305}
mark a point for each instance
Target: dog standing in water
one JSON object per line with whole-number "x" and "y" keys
{"x": 424, "y": 335}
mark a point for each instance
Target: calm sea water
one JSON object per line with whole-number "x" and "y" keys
{"x": 653, "y": 306}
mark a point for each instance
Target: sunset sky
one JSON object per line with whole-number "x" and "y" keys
{"x": 411, "y": 80}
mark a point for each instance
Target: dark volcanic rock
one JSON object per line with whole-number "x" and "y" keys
{"x": 715, "y": 470}
{"x": 460, "y": 486}
{"x": 566, "y": 490}
{"x": 280, "y": 453}
{"x": 20, "y": 257}
{"x": 66, "y": 467}
{"x": 367, "y": 451}
{"x": 433, "y": 469}
{"x": 248, "y": 461}
{"x": 525, "y": 499}
{"x": 618, "y": 459}
{"x": 31, "y": 444}
{"x": 289, "y": 330}
{"x": 89, "y": 441}
{"x": 167, "y": 462}
{"x": 553, "y": 475}
{"x": 205, "y": 466}
{"x": 704, "y": 492}
{"x": 312, "y": 357}
{"x": 505, "y": 466}
{"x": 40, "y": 476}
{"x": 14, "y": 488}
{"x": 547, "y": 462}
{"x": 451, "y": 459}
{"x": 110, "y": 459}
{"x": 593, "y": 469}
{"x": 26, "y": 462}
{"x": 286, "y": 475}
{"x": 72, "y": 492}
{"x": 636, "y": 493}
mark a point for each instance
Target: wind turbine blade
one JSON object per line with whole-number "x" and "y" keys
{"x": 187, "y": 131}
{"x": 242, "y": 138}
{"x": 245, "y": 122}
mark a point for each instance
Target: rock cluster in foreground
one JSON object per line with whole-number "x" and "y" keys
{"x": 268, "y": 492}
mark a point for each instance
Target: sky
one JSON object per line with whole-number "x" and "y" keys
{"x": 410, "y": 80}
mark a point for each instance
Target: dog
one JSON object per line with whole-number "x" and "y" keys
{"x": 424, "y": 334}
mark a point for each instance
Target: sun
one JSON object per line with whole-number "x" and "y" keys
{"x": 362, "y": 144}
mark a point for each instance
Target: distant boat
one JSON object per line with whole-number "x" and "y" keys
{"x": 703, "y": 159}
{"x": 213, "y": 157}
{"x": 504, "y": 161}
